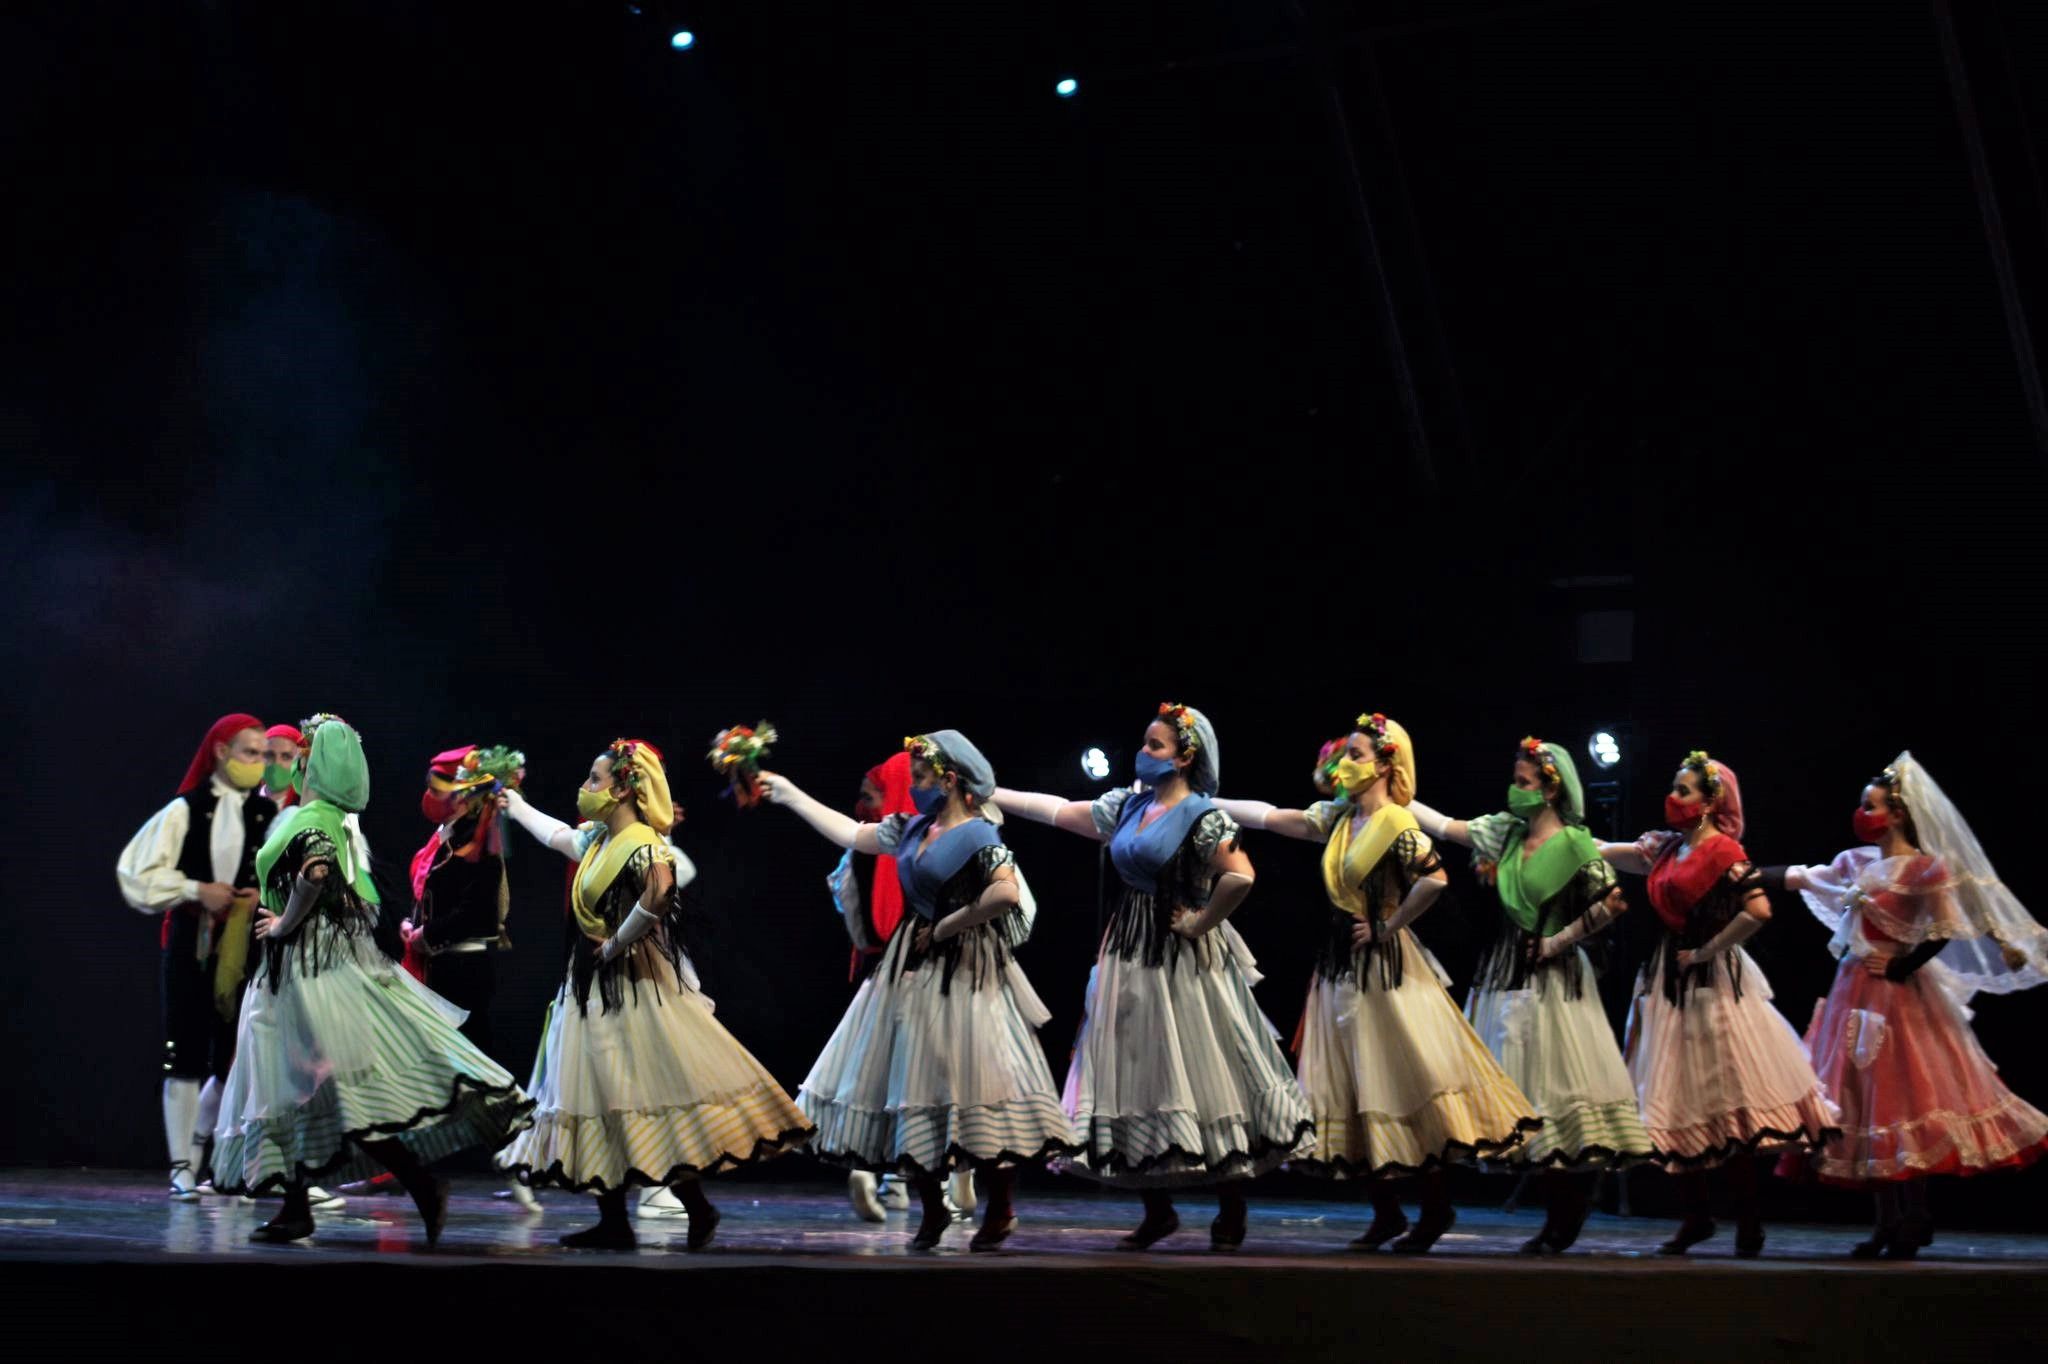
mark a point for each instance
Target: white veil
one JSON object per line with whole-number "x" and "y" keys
{"x": 1999, "y": 923}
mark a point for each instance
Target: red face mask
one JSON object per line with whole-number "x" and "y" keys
{"x": 439, "y": 806}
{"x": 1871, "y": 825}
{"x": 1681, "y": 814}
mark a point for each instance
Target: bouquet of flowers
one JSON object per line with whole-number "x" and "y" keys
{"x": 736, "y": 755}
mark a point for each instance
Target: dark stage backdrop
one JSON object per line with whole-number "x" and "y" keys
{"x": 482, "y": 382}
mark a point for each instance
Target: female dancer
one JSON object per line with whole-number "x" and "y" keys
{"x": 638, "y": 1084}
{"x": 1718, "y": 1071}
{"x": 1921, "y": 922}
{"x": 1177, "y": 1079}
{"x": 936, "y": 1064}
{"x": 1533, "y": 1000}
{"x": 343, "y": 1061}
{"x": 1397, "y": 1079}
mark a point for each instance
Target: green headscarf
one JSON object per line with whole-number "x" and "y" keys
{"x": 336, "y": 771}
{"x": 1527, "y": 884}
{"x": 327, "y": 819}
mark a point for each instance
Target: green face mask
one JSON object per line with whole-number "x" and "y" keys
{"x": 1524, "y": 803}
{"x": 280, "y": 777}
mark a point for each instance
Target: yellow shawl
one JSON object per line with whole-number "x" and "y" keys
{"x": 602, "y": 862}
{"x": 1348, "y": 861}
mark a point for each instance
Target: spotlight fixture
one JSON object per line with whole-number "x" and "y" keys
{"x": 683, "y": 40}
{"x": 1095, "y": 763}
{"x": 1067, "y": 88}
{"x": 1604, "y": 749}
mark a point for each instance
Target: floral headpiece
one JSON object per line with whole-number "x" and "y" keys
{"x": 1710, "y": 780}
{"x": 922, "y": 749}
{"x": 1374, "y": 727}
{"x": 314, "y": 721}
{"x": 1184, "y": 732}
{"x": 624, "y": 754}
{"x": 1537, "y": 754}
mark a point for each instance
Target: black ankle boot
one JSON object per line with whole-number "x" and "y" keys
{"x": 612, "y": 1232}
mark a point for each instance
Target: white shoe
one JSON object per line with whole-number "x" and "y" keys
{"x": 960, "y": 1193}
{"x": 523, "y": 1196}
{"x": 319, "y": 1198}
{"x": 895, "y": 1194}
{"x": 660, "y": 1201}
{"x": 860, "y": 1187}
{"x": 182, "y": 1189}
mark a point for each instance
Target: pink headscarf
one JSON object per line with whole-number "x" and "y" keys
{"x": 1728, "y": 809}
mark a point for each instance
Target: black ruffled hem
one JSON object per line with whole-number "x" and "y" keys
{"x": 1466, "y": 1153}
{"x": 1746, "y": 1146}
{"x": 1116, "y": 1166}
{"x": 958, "y": 1157}
{"x": 1596, "y": 1157}
{"x": 302, "y": 1173}
{"x": 788, "y": 1142}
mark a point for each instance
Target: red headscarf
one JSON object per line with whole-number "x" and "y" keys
{"x": 224, "y": 729}
{"x": 290, "y": 795}
{"x": 1675, "y": 886}
{"x": 892, "y": 779}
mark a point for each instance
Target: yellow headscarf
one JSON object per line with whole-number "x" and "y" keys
{"x": 1348, "y": 861}
{"x": 636, "y": 764}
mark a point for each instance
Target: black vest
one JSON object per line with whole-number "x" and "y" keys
{"x": 195, "y": 859}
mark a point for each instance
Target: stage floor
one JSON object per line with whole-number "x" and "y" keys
{"x": 120, "y": 1215}
{"x": 82, "y": 1247}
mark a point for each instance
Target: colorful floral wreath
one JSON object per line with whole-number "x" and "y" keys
{"x": 1537, "y": 754}
{"x": 625, "y": 766}
{"x": 1374, "y": 727}
{"x": 922, "y": 749}
{"x": 736, "y": 755}
{"x": 1710, "y": 780}
{"x": 1183, "y": 722}
{"x": 1329, "y": 755}
{"x": 314, "y": 721}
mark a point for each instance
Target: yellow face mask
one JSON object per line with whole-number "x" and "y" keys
{"x": 594, "y": 804}
{"x": 244, "y": 776}
{"x": 1353, "y": 776}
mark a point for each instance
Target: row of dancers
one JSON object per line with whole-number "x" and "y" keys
{"x": 340, "y": 1060}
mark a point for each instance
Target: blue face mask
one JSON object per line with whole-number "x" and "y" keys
{"x": 929, "y": 800}
{"x": 1154, "y": 770}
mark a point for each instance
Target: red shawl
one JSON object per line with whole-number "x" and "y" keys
{"x": 1676, "y": 886}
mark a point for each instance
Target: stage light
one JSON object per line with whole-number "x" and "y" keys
{"x": 1067, "y": 88}
{"x": 1604, "y": 748}
{"x": 683, "y": 41}
{"x": 1095, "y": 763}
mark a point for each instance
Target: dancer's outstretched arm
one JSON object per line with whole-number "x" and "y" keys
{"x": 1075, "y": 816}
{"x": 1257, "y": 814}
{"x": 1626, "y": 856}
{"x": 550, "y": 831}
{"x": 842, "y": 829}
{"x": 1439, "y": 825}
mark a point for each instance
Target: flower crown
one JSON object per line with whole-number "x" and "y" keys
{"x": 1183, "y": 722}
{"x": 624, "y": 754}
{"x": 1710, "y": 780}
{"x": 1374, "y": 727}
{"x": 922, "y": 749}
{"x": 1537, "y": 754}
{"x": 314, "y": 721}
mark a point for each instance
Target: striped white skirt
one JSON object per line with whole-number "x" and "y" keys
{"x": 646, "y": 1093}
{"x": 359, "y": 1052}
{"x": 1177, "y": 1077}
{"x": 923, "y": 1074}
